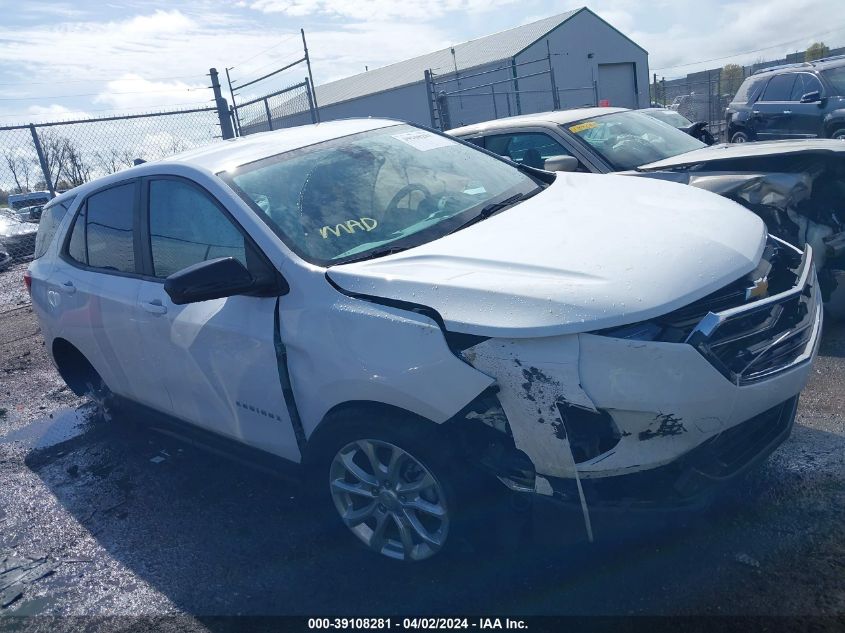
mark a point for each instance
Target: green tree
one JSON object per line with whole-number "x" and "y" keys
{"x": 730, "y": 79}
{"x": 816, "y": 50}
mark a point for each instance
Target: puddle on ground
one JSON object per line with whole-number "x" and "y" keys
{"x": 46, "y": 432}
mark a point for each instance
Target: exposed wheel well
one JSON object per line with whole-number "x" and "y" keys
{"x": 833, "y": 126}
{"x": 74, "y": 368}
{"x": 347, "y": 412}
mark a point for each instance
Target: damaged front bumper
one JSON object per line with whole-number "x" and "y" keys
{"x": 627, "y": 422}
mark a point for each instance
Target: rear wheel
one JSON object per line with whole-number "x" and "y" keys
{"x": 740, "y": 136}
{"x": 838, "y": 133}
{"x": 103, "y": 401}
{"x": 391, "y": 482}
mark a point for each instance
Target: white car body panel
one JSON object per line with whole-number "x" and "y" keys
{"x": 730, "y": 151}
{"x": 573, "y": 258}
{"x": 537, "y": 279}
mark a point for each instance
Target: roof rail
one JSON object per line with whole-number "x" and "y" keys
{"x": 831, "y": 58}
{"x": 781, "y": 67}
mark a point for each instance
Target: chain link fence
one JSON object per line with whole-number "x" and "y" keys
{"x": 704, "y": 95}
{"x": 39, "y": 160}
{"x": 288, "y": 107}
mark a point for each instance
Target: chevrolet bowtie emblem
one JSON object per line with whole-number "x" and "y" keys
{"x": 758, "y": 290}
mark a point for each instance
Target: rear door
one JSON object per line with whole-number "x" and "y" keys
{"x": 95, "y": 288}
{"x": 217, "y": 359}
{"x": 772, "y": 113}
{"x": 806, "y": 120}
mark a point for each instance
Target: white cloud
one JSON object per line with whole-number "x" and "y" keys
{"x": 56, "y": 112}
{"x": 375, "y": 9}
{"x": 132, "y": 91}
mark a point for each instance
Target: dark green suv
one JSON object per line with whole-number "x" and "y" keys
{"x": 792, "y": 101}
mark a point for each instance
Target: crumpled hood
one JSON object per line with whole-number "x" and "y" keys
{"x": 590, "y": 252}
{"x": 726, "y": 151}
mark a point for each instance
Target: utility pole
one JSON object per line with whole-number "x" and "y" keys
{"x": 310, "y": 76}
{"x": 222, "y": 106}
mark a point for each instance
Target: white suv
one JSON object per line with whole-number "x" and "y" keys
{"x": 406, "y": 315}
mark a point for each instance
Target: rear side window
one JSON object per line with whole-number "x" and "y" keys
{"x": 749, "y": 90}
{"x": 51, "y": 216}
{"x": 779, "y": 88}
{"x": 103, "y": 234}
{"x": 187, "y": 227}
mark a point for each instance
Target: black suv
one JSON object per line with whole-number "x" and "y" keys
{"x": 794, "y": 101}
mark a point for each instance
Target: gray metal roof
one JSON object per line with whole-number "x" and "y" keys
{"x": 484, "y": 50}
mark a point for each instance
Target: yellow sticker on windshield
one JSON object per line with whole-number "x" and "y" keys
{"x": 580, "y": 127}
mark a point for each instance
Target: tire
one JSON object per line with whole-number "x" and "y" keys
{"x": 412, "y": 508}
{"x": 740, "y": 136}
{"x": 104, "y": 403}
{"x": 838, "y": 133}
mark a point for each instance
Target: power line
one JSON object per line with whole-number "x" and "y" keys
{"x": 120, "y": 110}
{"x": 756, "y": 50}
{"x": 277, "y": 44}
{"x": 104, "y": 79}
{"x": 95, "y": 94}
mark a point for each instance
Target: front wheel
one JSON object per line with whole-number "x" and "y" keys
{"x": 839, "y": 133}
{"x": 393, "y": 484}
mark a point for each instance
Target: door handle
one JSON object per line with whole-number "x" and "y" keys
{"x": 787, "y": 111}
{"x": 68, "y": 287}
{"x": 154, "y": 307}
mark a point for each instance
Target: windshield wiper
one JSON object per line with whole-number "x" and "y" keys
{"x": 494, "y": 207}
{"x": 380, "y": 252}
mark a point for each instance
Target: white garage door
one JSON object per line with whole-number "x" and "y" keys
{"x": 617, "y": 84}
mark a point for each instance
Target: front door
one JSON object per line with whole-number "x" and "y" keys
{"x": 806, "y": 120}
{"x": 772, "y": 112}
{"x": 217, "y": 359}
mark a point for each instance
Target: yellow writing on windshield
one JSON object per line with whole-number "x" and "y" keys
{"x": 580, "y": 127}
{"x": 350, "y": 226}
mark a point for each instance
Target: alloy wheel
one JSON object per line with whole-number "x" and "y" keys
{"x": 389, "y": 500}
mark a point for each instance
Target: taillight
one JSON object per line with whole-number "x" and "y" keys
{"x": 27, "y": 281}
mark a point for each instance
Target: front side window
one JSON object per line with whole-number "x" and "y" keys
{"x": 779, "y": 88}
{"x": 51, "y": 216}
{"x": 804, "y": 84}
{"x": 353, "y": 197}
{"x": 187, "y": 227}
{"x": 526, "y": 148}
{"x": 836, "y": 78}
{"x": 103, "y": 231}
{"x": 628, "y": 140}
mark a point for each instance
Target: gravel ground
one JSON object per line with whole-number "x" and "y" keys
{"x": 103, "y": 520}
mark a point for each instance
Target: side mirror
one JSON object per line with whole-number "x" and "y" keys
{"x": 212, "y": 279}
{"x": 811, "y": 97}
{"x": 561, "y": 163}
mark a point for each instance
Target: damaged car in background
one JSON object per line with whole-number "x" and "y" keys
{"x": 797, "y": 187}
{"x": 408, "y": 320}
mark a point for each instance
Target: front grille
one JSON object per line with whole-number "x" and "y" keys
{"x": 757, "y": 338}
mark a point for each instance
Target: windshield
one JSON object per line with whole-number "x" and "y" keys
{"x": 836, "y": 77}
{"x": 627, "y": 140}
{"x": 390, "y": 188}
{"x": 671, "y": 117}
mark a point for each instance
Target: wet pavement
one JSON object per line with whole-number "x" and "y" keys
{"x": 111, "y": 519}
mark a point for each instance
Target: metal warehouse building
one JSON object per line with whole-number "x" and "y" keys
{"x": 567, "y": 60}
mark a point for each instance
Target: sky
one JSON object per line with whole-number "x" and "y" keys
{"x": 68, "y": 60}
